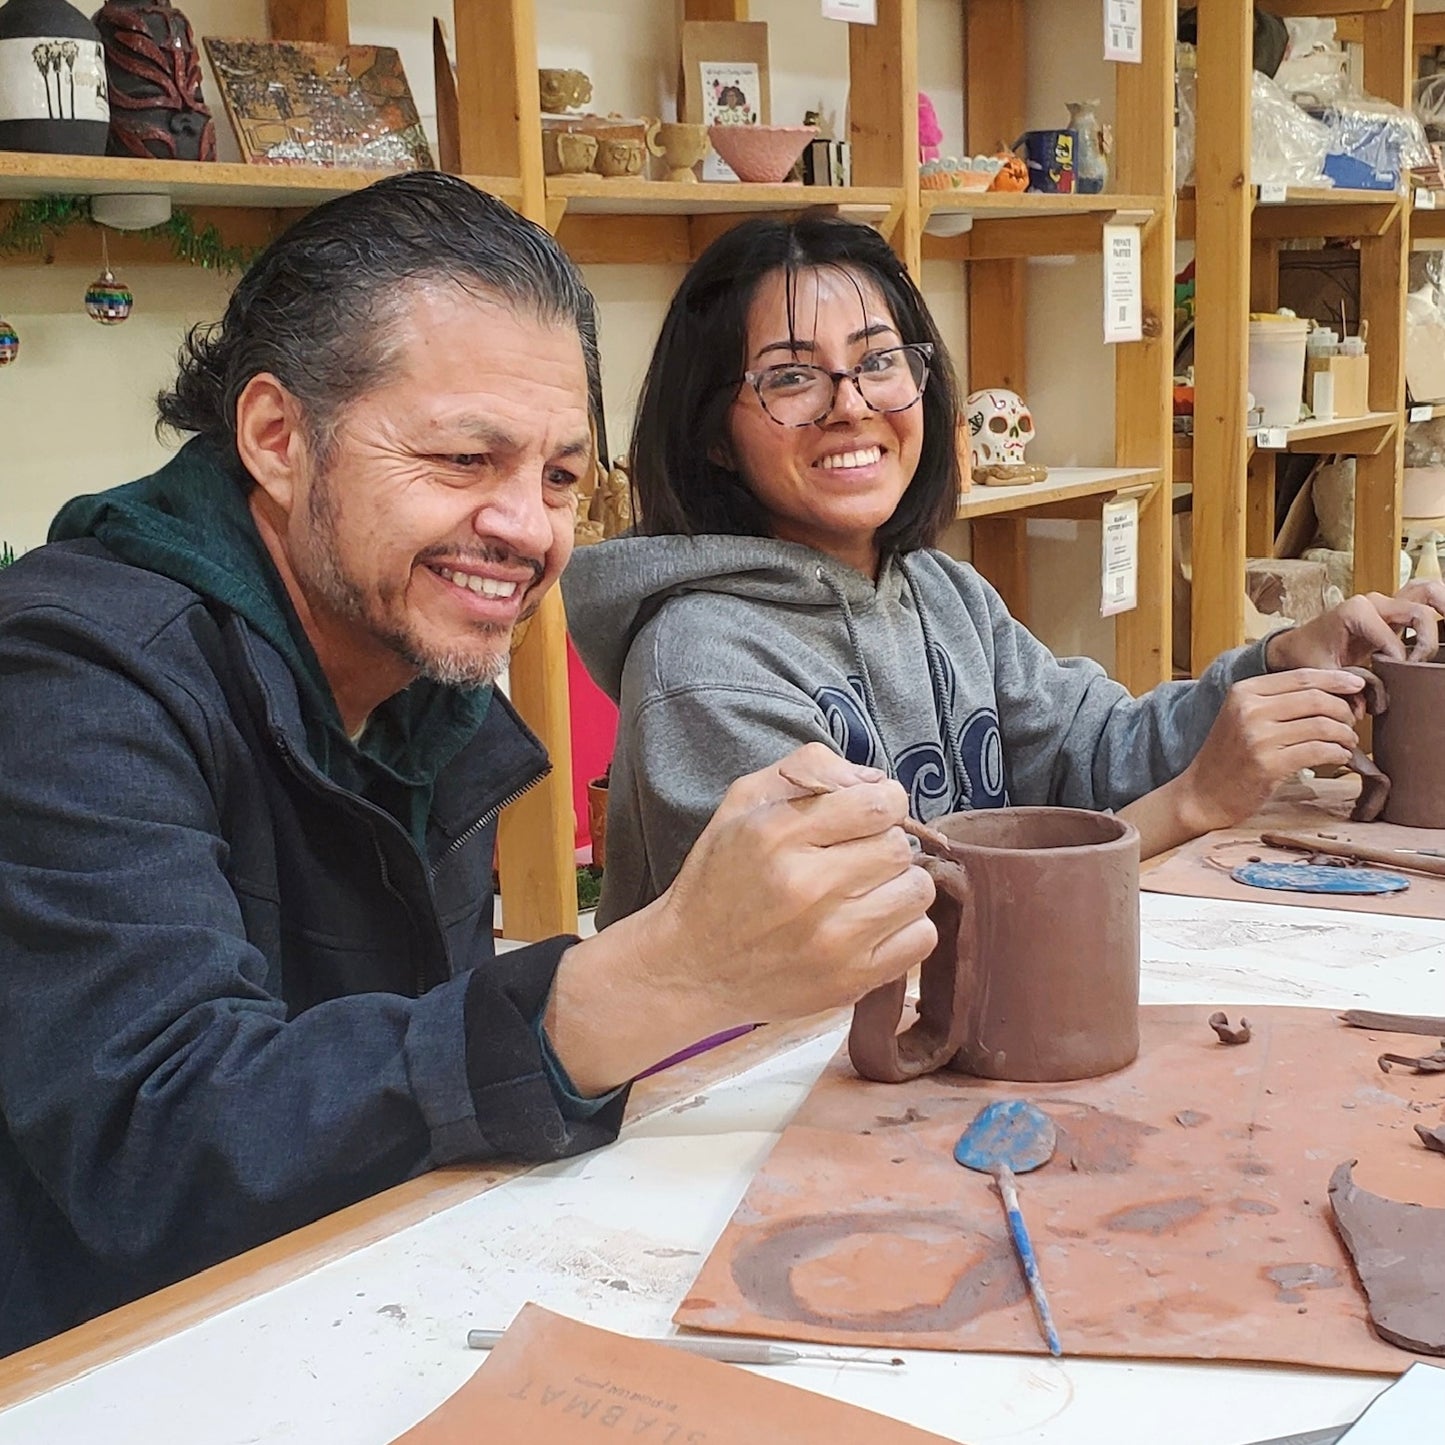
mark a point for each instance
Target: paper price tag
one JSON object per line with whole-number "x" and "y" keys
{"x": 1123, "y": 285}
{"x": 1120, "y": 591}
{"x": 1272, "y": 193}
{"x": 1421, "y": 413}
{"x": 1272, "y": 438}
{"x": 1424, "y": 199}
{"x": 856, "y": 12}
{"x": 1123, "y": 31}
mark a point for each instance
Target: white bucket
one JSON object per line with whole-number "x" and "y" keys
{"x": 1277, "y": 368}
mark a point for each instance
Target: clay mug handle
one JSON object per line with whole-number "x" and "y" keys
{"x": 650, "y": 135}
{"x": 877, "y": 1050}
{"x": 1374, "y": 785}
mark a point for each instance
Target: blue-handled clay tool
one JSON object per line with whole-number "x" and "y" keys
{"x": 1007, "y": 1138}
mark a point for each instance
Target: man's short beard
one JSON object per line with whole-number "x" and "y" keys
{"x": 453, "y": 668}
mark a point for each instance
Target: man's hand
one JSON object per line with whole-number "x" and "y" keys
{"x": 786, "y": 906}
{"x": 1352, "y": 633}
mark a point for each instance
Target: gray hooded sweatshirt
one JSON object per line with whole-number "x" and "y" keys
{"x": 726, "y": 653}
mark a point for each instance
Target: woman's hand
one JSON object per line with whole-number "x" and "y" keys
{"x": 1352, "y": 633}
{"x": 1268, "y": 729}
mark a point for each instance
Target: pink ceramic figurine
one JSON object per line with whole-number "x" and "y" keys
{"x": 930, "y": 133}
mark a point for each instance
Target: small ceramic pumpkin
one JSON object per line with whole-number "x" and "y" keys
{"x": 1013, "y": 174}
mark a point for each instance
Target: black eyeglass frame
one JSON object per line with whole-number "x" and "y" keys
{"x": 756, "y": 378}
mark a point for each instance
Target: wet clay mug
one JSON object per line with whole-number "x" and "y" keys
{"x": 1409, "y": 745}
{"x": 1036, "y": 973}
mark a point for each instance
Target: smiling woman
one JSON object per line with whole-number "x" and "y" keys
{"x": 794, "y": 462}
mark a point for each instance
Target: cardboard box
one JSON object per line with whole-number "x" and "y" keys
{"x": 1351, "y": 378}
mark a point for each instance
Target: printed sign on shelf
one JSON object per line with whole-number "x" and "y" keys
{"x": 1123, "y": 285}
{"x": 1123, "y": 28}
{"x": 1120, "y": 591}
{"x": 857, "y": 12}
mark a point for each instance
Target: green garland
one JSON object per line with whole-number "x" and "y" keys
{"x": 33, "y": 222}
{"x": 7, "y": 554}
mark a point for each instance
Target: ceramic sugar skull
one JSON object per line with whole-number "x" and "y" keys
{"x": 1000, "y": 426}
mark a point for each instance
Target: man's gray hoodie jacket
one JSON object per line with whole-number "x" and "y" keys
{"x": 726, "y": 653}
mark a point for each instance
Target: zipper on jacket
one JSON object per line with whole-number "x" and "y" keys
{"x": 490, "y": 816}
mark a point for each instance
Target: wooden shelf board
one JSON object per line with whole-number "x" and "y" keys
{"x": 991, "y": 205}
{"x": 1369, "y": 431}
{"x": 1329, "y": 196}
{"x": 24, "y": 176}
{"x": 1063, "y": 484}
{"x": 1326, "y": 7}
{"x": 631, "y": 196}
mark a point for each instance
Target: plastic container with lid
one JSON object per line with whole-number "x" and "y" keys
{"x": 1277, "y": 366}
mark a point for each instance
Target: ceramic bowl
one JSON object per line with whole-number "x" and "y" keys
{"x": 761, "y": 153}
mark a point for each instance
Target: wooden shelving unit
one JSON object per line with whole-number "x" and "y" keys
{"x": 1008, "y": 229}
{"x": 634, "y": 220}
{"x": 1237, "y": 239}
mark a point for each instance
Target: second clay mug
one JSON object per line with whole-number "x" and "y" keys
{"x": 1036, "y": 973}
{"x": 1406, "y": 700}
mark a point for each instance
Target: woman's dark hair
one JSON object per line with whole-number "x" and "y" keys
{"x": 318, "y": 307}
{"x": 697, "y": 368}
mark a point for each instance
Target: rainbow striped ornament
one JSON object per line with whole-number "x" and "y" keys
{"x": 108, "y": 300}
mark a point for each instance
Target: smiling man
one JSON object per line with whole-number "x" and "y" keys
{"x": 253, "y": 761}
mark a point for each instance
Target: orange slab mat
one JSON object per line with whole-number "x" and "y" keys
{"x": 1200, "y": 869}
{"x": 553, "y": 1381}
{"x": 1184, "y": 1214}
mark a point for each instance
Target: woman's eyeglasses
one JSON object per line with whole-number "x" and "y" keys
{"x": 798, "y": 394}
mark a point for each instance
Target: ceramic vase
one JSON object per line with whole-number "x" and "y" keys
{"x": 154, "y": 70}
{"x": 1036, "y": 973}
{"x": 1091, "y": 163}
{"x": 53, "y": 93}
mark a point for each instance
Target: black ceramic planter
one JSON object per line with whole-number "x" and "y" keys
{"x": 52, "y": 80}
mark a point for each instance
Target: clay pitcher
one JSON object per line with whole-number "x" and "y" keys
{"x": 1036, "y": 974}
{"x": 1409, "y": 741}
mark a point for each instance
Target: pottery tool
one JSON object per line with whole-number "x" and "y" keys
{"x": 1412, "y": 860}
{"x": 818, "y": 788}
{"x": 1317, "y": 878}
{"x": 1007, "y": 1138}
{"x": 729, "y": 1351}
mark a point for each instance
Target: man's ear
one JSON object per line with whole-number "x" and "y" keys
{"x": 270, "y": 438}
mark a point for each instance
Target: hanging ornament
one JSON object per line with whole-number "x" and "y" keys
{"x": 9, "y": 342}
{"x": 107, "y": 300}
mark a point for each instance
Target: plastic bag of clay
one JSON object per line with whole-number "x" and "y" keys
{"x": 1315, "y": 64}
{"x": 1288, "y": 146}
{"x": 1184, "y": 91}
{"x": 1425, "y": 444}
{"x": 1371, "y": 140}
{"x": 1430, "y": 105}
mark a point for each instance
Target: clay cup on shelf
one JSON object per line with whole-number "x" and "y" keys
{"x": 567, "y": 152}
{"x": 1036, "y": 973}
{"x": 563, "y": 89}
{"x": 763, "y": 154}
{"x": 620, "y": 155}
{"x": 681, "y": 144}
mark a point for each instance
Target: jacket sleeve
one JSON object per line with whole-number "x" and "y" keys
{"x": 149, "y": 1074}
{"x": 1074, "y": 737}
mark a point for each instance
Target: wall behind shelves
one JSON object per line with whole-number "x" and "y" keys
{"x": 64, "y": 446}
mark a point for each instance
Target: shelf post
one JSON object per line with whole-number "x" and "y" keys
{"x": 883, "y": 115}
{"x": 1384, "y": 277}
{"x": 312, "y": 20}
{"x": 500, "y": 133}
{"x": 1223, "y": 203}
{"x": 1144, "y": 370}
{"x": 996, "y": 44}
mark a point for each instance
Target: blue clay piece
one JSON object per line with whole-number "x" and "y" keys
{"x": 1315, "y": 878}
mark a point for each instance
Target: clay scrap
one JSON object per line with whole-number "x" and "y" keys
{"x": 1361, "y": 1018}
{"x": 1374, "y": 783}
{"x": 1219, "y": 1022}
{"x": 1399, "y": 1254}
{"x": 1432, "y": 1138}
{"x": 1422, "y": 1064}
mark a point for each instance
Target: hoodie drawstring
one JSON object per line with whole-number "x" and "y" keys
{"x": 870, "y": 699}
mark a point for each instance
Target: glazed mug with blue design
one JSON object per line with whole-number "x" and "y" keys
{"x": 1049, "y": 155}
{"x": 1036, "y": 974}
